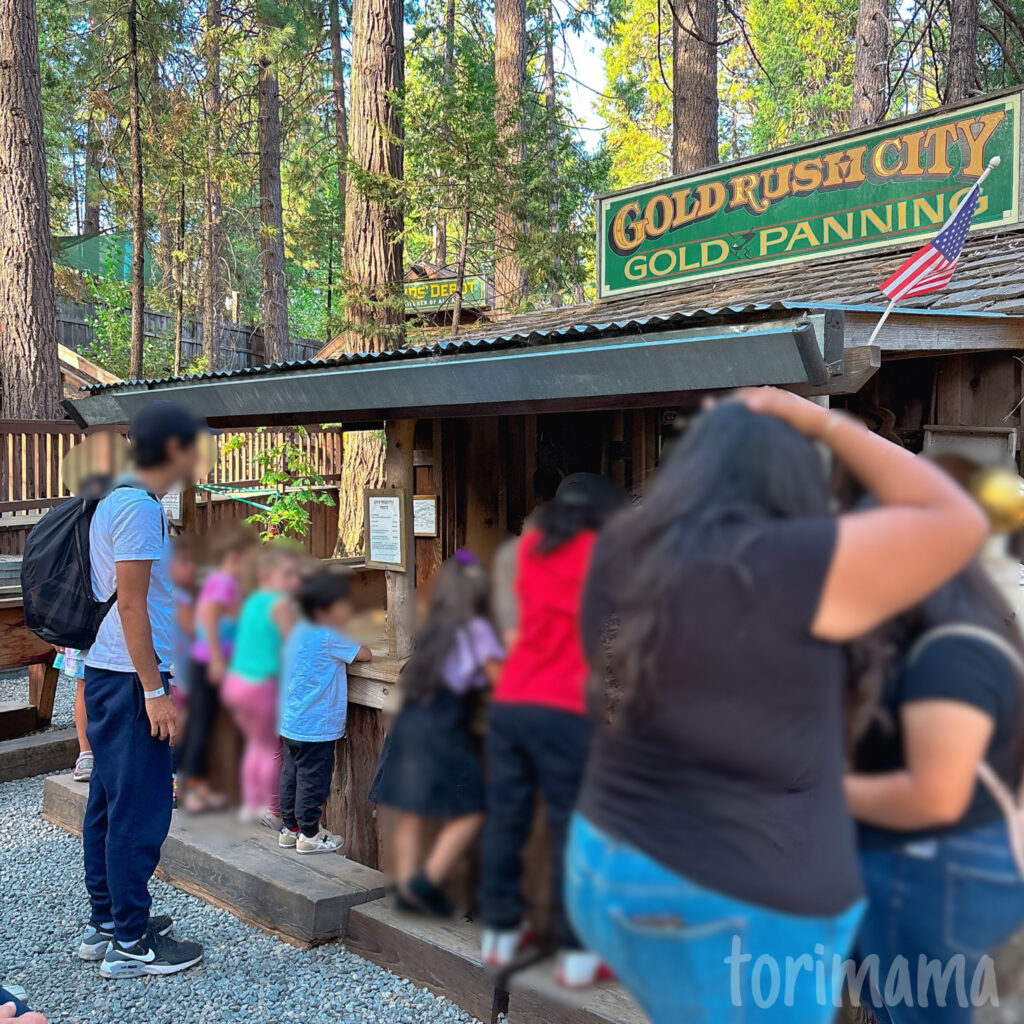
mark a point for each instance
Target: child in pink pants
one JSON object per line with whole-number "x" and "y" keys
{"x": 249, "y": 690}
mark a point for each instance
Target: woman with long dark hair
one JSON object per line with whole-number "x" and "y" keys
{"x": 431, "y": 769}
{"x": 712, "y": 861}
{"x": 539, "y": 733}
{"x": 938, "y": 858}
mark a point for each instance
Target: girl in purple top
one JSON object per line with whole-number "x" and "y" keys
{"x": 217, "y": 607}
{"x": 430, "y": 768}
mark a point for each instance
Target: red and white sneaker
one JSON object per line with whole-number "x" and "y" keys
{"x": 500, "y": 947}
{"x": 578, "y": 968}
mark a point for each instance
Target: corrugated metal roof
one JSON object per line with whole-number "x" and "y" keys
{"x": 989, "y": 280}
{"x": 511, "y": 333}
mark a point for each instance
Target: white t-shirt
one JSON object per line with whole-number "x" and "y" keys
{"x": 130, "y": 526}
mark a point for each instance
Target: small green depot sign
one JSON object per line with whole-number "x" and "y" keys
{"x": 439, "y": 293}
{"x": 862, "y": 191}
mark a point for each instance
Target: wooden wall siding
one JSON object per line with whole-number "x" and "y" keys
{"x": 33, "y": 454}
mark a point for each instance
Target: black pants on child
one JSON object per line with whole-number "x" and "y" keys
{"x": 203, "y": 702}
{"x": 530, "y": 748}
{"x": 305, "y": 783}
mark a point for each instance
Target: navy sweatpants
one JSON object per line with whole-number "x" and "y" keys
{"x": 130, "y": 801}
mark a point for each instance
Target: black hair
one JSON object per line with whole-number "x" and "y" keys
{"x": 156, "y": 423}
{"x": 875, "y": 661}
{"x": 322, "y": 590}
{"x": 733, "y": 470}
{"x": 545, "y": 484}
{"x": 459, "y": 593}
{"x": 583, "y": 501}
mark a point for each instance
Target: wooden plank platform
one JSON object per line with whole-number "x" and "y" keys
{"x": 16, "y": 719}
{"x": 440, "y": 955}
{"x": 536, "y": 998}
{"x": 51, "y": 751}
{"x": 304, "y": 900}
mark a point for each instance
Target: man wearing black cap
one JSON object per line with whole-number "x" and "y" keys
{"x": 131, "y": 717}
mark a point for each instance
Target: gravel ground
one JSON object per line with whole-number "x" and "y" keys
{"x": 247, "y": 978}
{"x": 14, "y": 687}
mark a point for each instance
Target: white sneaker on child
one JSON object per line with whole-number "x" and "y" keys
{"x": 578, "y": 968}
{"x": 270, "y": 820}
{"x": 287, "y": 838}
{"x": 322, "y": 842}
{"x": 500, "y": 946}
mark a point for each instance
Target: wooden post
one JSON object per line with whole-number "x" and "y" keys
{"x": 398, "y": 472}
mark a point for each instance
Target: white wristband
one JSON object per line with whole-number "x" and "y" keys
{"x": 153, "y": 694}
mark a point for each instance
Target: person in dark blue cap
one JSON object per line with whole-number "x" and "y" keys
{"x": 131, "y": 718}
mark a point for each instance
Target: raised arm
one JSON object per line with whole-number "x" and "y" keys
{"x": 925, "y": 530}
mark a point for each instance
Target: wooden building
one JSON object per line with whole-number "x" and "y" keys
{"x": 599, "y": 387}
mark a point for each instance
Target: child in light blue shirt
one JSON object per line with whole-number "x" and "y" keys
{"x": 313, "y": 707}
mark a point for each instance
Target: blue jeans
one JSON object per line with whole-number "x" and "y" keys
{"x": 950, "y": 900}
{"x": 130, "y": 796}
{"x": 690, "y": 954}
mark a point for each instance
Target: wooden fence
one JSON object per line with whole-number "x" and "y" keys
{"x": 239, "y": 347}
{"x": 34, "y": 455}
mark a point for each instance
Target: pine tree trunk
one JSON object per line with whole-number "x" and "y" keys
{"x": 375, "y": 310}
{"x": 138, "y": 202}
{"x": 93, "y": 164}
{"x": 29, "y": 369}
{"x": 551, "y": 107}
{"x": 275, "y": 289}
{"x": 179, "y": 273}
{"x": 694, "y": 84}
{"x": 509, "y": 78}
{"x": 374, "y": 219}
{"x": 441, "y": 221}
{"x": 460, "y": 272}
{"x": 340, "y": 114}
{"x": 213, "y": 277}
{"x": 93, "y": 158}
{"x": 963, "y": 49}
{"x": 870, "y": 69}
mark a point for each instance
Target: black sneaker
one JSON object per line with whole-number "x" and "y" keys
{"x": 96, "y": 938}
{"x": 422, "y": 895}
{"x": 152, "y": 954}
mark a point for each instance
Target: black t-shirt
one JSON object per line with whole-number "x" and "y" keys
{"x": 731, "y": 774}
{"x": 959, "y": 668}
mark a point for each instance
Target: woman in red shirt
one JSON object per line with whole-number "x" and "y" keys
{"x": 539, "y": 733}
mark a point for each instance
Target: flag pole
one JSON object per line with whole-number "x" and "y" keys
{"x": 992, "y": 164}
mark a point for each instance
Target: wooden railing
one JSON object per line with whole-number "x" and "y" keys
{"x": 33, "y": 454}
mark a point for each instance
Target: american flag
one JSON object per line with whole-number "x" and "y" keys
{"x": 932, "y": 266}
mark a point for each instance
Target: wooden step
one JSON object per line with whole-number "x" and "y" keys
{"x": 442, "y": 956}
{"x": 534, "y": 997}
{"x": 16, "y": 719}
{"x": 305, "y": 900}
{"x": 51, "y": 751}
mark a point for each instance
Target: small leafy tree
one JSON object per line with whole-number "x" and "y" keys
{"x": 292, "y": 482}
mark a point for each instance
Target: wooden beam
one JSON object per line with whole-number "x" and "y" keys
{"x": 923, "y": 333}
{"x": 401, "y": 586}
{"x": 42, "y": 690}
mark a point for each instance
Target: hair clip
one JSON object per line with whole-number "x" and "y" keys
{"x": 466, "y": 557}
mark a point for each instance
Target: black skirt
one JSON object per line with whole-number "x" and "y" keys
{"x": 430, "y": 763}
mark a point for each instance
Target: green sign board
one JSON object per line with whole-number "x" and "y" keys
{"x": 865, "y": 190}
{"x": 437, "y": 293}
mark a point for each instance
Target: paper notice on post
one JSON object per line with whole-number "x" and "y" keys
{"x": 385, "y": 528}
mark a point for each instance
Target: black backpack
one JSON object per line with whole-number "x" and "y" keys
{"x": 56, "y": 574}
